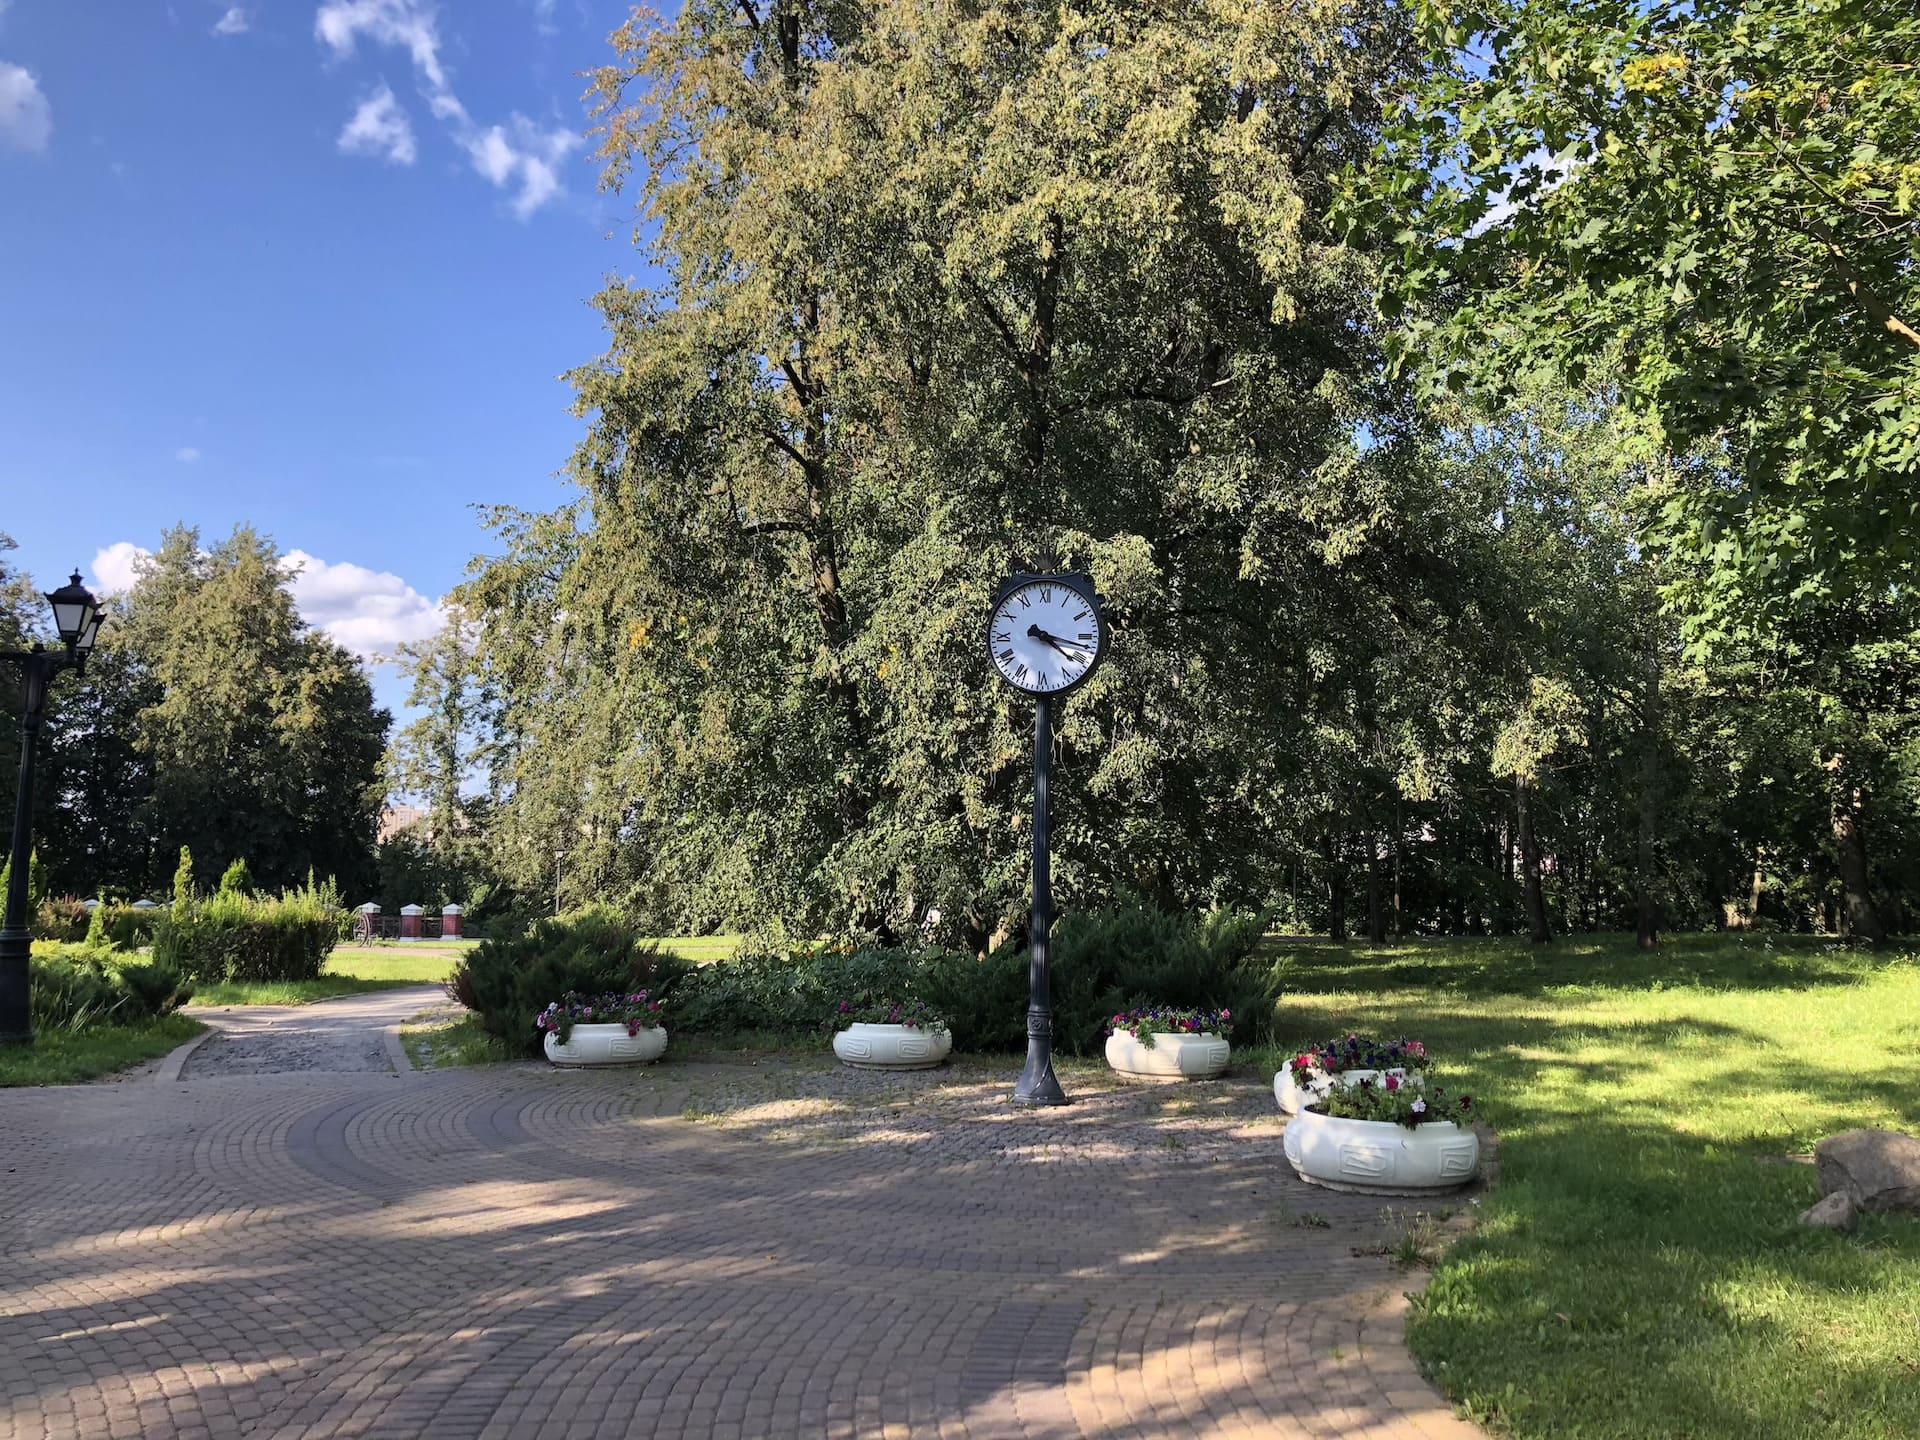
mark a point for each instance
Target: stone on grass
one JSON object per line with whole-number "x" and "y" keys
{"x": 1836, "y": 1212}
{"x": 1878, "y": 1169}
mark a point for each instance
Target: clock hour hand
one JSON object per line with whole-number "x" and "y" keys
{"x": 1038, "y": 634}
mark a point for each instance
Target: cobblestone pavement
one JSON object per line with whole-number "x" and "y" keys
{"x": 340, "y": 1035}
{"x": 694, "y": 1249}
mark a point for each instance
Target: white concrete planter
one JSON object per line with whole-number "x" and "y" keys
{"x": 607, "y": 1045}
{"x": 892, "y": 1047}
{"x": 1170, "y": 1057}
{"x": 1377, "y": 1157}
{"x": 1292, "y": 1095}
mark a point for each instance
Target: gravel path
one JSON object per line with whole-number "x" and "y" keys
{"x": 332, "y": 1037}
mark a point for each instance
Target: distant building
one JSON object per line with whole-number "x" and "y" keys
{"x": 396, "y": 818}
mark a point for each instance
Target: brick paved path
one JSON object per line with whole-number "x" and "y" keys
{"x": 691, "y": 1250}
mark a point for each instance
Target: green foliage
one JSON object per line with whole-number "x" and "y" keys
{"x": 237, "y": 881}
{"x": 99, "y": 935}
{"x": 1712, "y": 207}
{"x": 130, "y": 928}
{"x": 1398, "y": 1102}
{"x": 1072, "y": 289}
{"x": 183, "y": 884}
{"x": 236, "y": 937}
{"x": 259, "y": 733}
{"x": 1130, "y": 956}
{"x": 1126, "y": 952}
{"x": 507, "y": 983}
{"x": 75, "y": 987}
{"x": 68, "y": 1057}
{"x": 36, "y": 880}
{"x": 60, "y": 917}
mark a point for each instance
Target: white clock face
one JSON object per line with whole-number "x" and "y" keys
{"x": 1044, "y": 637}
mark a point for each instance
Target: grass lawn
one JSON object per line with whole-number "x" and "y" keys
{"x": 432, "y": 1042}
{"x": 356, "y": 969}
{"x": 1638, "y": 1271}
{"x": 350, "y": 970}
{"x": 65, "y": 1057}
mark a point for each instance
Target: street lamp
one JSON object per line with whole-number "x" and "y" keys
{"x": 77, "y": 616}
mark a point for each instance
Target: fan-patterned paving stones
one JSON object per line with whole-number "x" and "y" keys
{"x": 698, "y": 1249}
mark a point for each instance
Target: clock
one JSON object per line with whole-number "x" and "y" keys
{"x": 1046, "y": 634}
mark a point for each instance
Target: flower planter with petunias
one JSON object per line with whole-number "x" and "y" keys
{"x": 1345, "y": 1061}
{"x": 1385, "y": 1137}
{"x": 1160, "y": 1042}
{"x": 593, "y": 1030}
{"x": 889, "y": 1035}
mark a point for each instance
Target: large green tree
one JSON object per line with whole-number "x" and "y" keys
{"x": 951, "y": 290}
{"x": 263, "y": 738}
{"x": 1711, "y": 206}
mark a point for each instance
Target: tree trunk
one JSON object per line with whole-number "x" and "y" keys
{"x": 1376, "y": 911}
{"x": 1538, "y": 930}
{"x": 1336, "y": 893}
{"x": 1399, "y": 910}
{"x": 1849, "y": 806}
{"x": 1502, "y": 911}
{"x": 1647, "y": 930}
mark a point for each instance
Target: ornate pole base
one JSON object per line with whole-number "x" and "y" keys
{"x": 1037, "y": 1084}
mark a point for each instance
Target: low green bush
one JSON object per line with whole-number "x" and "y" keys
{"x": 131, "y": 928}
{"x": 75, "y": 986}
{"x": 1129, "y": 956}
{"x": 1104, "y": 962}
{"x": 234, "y": 936}
{"x": 507, "y": 982}
{"x": 61, "y": 918}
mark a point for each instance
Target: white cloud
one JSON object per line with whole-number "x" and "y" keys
{"x": 234, "y": 22}
{"x": 380, "y": 127}
{"x": 519, "y": 156}
{"x": 528, "y": 162}
{"x": 186, "y": 455}
{"x": 115, "y": 568}
{"x": 26, "y": 119}
{"x": 368, "y": 612}
{"x": 408, "y": 24}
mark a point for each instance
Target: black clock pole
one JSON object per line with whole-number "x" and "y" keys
{"x": 1037, "y": 1083}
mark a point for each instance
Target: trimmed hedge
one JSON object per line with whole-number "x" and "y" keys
{"x": 508, "y": 982}
{"x": 230, "y": 936}
{"x": 74, "y": 987}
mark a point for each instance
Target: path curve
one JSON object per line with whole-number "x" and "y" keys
{"x": 714, "y": 1250}
{"x": 343, "y": 1036}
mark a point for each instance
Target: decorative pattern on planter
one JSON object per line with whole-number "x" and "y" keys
{"x": 1292, "y": 1095}
{"x": 1170, "y": 1057}
{"x": 607, "y": 1045}
{"x": 892, "y": 1047}
{"x": 1374, "y": 1157}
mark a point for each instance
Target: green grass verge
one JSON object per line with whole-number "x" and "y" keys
{"x": 66, "y": 1057}
{"x": 357, "y": 969}
{"x": 433, "y": 1043}
{"x": 1638, "y": 1270}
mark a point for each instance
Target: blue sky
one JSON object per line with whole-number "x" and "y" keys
{"x": 313, "y": 264}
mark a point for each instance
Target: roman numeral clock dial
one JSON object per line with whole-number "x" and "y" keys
{"x": 1046, "y": 635}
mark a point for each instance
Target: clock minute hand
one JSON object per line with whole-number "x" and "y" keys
{"x": 1038, "y": 634}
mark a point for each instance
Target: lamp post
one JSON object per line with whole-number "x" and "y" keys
{"x": 77, "y": 616}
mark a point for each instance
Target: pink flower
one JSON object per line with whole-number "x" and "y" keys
{"x": 1393, "y": 1082}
